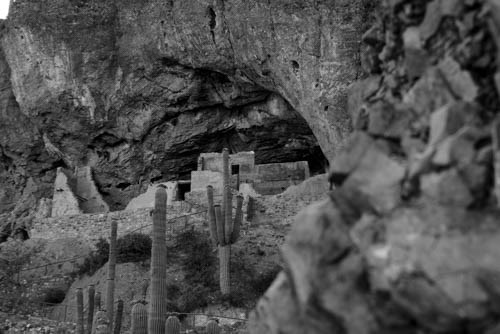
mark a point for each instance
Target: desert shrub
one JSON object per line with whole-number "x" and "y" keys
{"x": 261, "y": 282}
{"x": 199, "y": 263}
{"x": 54, "y": 296}
{"x": 173, "y": 291}
{"x": 248, "y": 283}
{"x": 133, "y": 247}
{"x": 14, "y": 256}
{"x": 96, "y": 259}
{"x": 196, "y": 257}
{"x": 193, "y": 297}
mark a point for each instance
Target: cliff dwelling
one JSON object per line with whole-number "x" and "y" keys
{"x": 265, "y": 179}
{"x": 76, "y": 193}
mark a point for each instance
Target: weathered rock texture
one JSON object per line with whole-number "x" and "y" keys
{"x": 408, "y": 240}
{"x": 137, "y": 89}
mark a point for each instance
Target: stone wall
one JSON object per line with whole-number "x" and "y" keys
{"x": 147, "y": 199}
{"x": 274, "y": 178}
{"x": 213, "y": 161}
{"x": 91, "y": 227}
{"x": 201, "y": 179}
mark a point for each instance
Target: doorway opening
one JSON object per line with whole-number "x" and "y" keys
{"x": 183, "y": 187}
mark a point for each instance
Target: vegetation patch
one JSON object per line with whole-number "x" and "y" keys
{"x": 54, "y": 296}
{"x": 200, "y": 286}
{"x": 133, "y": 247}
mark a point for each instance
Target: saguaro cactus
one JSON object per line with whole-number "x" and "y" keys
{"x": 224, "y": 231}
{"x": 212, "y": 327}
{"x": 158, "y": 302}
{"x": 118, "y": 318}
{"x": 173, "y": 325}
{"x": 110, "y": 289}
{"x": 97, "y": 301}
{"x": 79, "y": 311}
{"x": 90, "y": 317}
{"x": 139, "y": 319}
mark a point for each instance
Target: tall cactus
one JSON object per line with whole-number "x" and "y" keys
{"x": 90, "y": 317}
{"x": 110, "y": 289}
{"x": 224, "y": 231}
{"x": 97, "y": 301}
{"x": 172, "y": 325}
{"x": 79, "y": 311}
{"x": 139, "y": 319}
{"x": 118, "y": 319}
{"x": 212, "y": 327}
{"x": 158, "y": 302}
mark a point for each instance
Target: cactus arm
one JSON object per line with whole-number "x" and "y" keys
{"x": 225, "y": 181}
{"x": 211, "y": 215}
{"x": 79, "y": 311}
{"x": 158, "y": 301}
{"x": 237, "y": 219}
{"x": 139, "y": 319}
{"x": 97, "y": 301}
{"x": 90, "y": 317}
{"x": 145, "y": 284}
{"x": 220, "y": 224}
{"x": 228, "y": 212}
{"x": 250, "y": 208}
{"x": 110, "y": 289}
{"x": 212, "y": 328}
{"x": 172, "y": 325}
{"x": 118, "y": 318}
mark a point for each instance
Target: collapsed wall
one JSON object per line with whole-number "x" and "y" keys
{"x": 408, "y": 241}
{"x": 76, "y": 193}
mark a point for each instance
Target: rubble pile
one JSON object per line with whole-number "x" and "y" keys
{"x": 408, "y": 241}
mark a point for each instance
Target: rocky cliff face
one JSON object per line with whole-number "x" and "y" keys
{"x": 137, "y": 90}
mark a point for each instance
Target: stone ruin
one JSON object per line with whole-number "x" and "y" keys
{"x": 265, "y": 179}
{"x": 76, "y": 193}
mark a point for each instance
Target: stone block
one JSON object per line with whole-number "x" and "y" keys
{"x": 429, "y": 93}
{"x": 387, "y": 121}
{"x": 379, "y": 177}
{"x": 460, "y": 81}
{"x": 446, "y": 188}
{"x": 350, "y": 156}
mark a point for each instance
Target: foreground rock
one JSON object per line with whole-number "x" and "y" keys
{"x": 408, "y": 241}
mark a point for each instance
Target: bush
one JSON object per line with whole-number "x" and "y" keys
{"x": 54, "y": 296}
{"x": 95, "y": 260}
{"x": 199, "y": 264}
{"x": 193, "y": 297}
{"x": 261, "y": 283}
{"x": 14, "y": 255}
{"x": 133, "y": 247}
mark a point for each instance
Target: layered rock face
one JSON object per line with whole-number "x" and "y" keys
{"x": 137, "y": 89}
{"x": 408, "y": 240}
